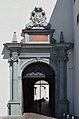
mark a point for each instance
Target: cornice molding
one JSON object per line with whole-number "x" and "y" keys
{"x": 15, "y": 47}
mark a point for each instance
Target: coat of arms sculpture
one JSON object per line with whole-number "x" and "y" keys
{"x": 38, "y": 20}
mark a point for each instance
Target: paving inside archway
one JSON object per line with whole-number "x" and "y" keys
{"x": 28, "y": 82}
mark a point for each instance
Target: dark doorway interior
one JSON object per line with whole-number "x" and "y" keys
{"x": 37, "y": 72}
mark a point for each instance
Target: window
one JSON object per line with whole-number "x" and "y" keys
{"x": 78, "y": 18}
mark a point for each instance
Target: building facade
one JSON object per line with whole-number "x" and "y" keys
{"x": 76, "y": 42}
{"x": 46, "y": 53}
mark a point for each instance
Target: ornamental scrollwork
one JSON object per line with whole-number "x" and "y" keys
{"x": 34, "y": 74}
{"x": 13, "y": 58}
{"x": 38, "y": 19}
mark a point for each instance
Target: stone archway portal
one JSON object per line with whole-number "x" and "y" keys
{"x": 36, "y": 72}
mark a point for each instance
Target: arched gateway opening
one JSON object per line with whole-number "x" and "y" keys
{"x": 40, "y": 75}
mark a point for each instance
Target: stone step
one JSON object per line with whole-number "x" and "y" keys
{"x": 28, "y": 116}
{"x": 35, "y": 116}
{"x": 11, "y": 117}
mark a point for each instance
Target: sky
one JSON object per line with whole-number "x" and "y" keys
{"x": 14, "y": 15}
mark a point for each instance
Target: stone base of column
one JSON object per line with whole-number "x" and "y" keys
{"x": 13, "y": 107}
{"x": 63, "y": 107}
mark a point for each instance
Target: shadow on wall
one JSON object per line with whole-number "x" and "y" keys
{"x": 61, "y": 19}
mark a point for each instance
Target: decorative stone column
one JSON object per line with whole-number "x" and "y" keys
{"x": 20, "y": 94}
{"x": 63, "y": 103}
{"x": 10, "y": 67}
{"x": 62, "y": 79}
{"x": 14, "y": 103}
{"x": 15, "y": 77}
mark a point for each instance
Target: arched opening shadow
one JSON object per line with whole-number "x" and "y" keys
{"x": 33, "y": 73}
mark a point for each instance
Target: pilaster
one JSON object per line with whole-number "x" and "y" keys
{"x": 15, "y": 78}
{"x": 14, "y": 103}
{"x": 63, "y": 103}
{"x": 11, "y": 81}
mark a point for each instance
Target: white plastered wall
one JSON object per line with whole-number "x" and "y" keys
{"x": 76, "y": 57}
